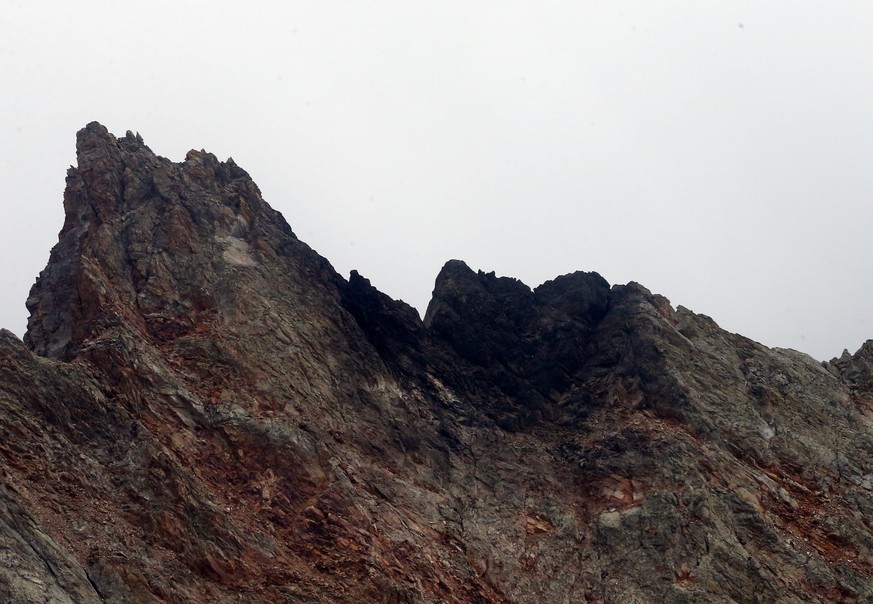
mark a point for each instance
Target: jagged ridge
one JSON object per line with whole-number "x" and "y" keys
{"x": 203, "y": 410}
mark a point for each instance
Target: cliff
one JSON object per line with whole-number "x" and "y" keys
{"x": 203, "y": 410}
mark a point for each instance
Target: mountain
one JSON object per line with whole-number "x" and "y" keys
{"x": 203, "y": 410}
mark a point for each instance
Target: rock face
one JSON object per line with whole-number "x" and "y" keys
{"x": 202, "y": 410}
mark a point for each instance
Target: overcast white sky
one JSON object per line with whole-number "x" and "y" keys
{"x": 716, "y": 152}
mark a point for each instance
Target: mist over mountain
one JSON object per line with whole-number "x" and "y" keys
{"x": 204, "y": 410}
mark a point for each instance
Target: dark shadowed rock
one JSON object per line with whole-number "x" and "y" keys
{"x": 204, "y": 411}
{"x": 582, "y": 296}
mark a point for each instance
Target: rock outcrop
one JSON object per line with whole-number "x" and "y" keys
{"x": 202, "y": 410}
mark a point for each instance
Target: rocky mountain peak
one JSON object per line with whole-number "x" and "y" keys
{"x": 202, "y": 410}
{"x": 146, "y": 242}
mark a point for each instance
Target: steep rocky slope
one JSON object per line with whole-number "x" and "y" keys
{"x": 202, "y": 410}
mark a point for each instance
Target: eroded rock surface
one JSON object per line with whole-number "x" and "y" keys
{"x": 202, "y": 410}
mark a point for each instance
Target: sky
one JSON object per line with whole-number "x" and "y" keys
{"x": 716, "y": 152}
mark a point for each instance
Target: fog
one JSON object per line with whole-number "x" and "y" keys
{"x": 714, "y": 152}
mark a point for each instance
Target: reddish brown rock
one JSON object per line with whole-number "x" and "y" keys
{"x": 204, "y": 411}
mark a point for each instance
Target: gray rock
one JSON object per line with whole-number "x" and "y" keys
{"x": 204, "y": 411}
